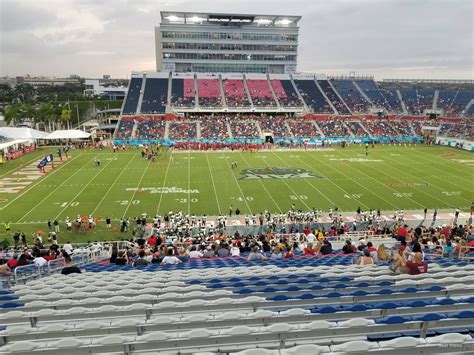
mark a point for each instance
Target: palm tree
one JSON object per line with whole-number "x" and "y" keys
{"x": 12, "y": 114}
{"x": 66, "y": 116}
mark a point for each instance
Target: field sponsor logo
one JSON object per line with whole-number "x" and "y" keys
{"x": 17, "y": 181}
{"x": 277, "y": 173}
{"x": 163, "y": 190}
{"x": 358, "y": 160}
{"x": 406, "y": 184}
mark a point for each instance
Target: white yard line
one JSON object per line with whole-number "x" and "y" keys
{"x": 39, "y": 182}
{"x": 288, "y": 185}
{"x": 213, "y": 184}
{"x": 189, "y": 183}
{"x": 113, "y": 184}
{"x": 240, "y": 188}
{"x": 164, "y": 181}
{"x": 135, "y": 192}
{"x": 48, "y": 195}
{"x": 432, "y": 162}
{"x": 330, "y": 180}
{"x": 263, "y": 185}
{"x": 85, "y": 187}
{"x": 386, "y": 186}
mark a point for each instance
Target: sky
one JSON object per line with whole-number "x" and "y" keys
{"x": 412, "y": 39}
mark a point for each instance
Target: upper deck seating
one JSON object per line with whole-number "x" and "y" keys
{"x": 155, "y": 96}
{"x": 332, "y": 96}
{"x": 285, "y": 93}
{"x": 313, "y": 97}
{"x": 133, "y": 95}
{"x": 261, "y": 93}
{"x": 209, "y": 92}
{"x": 235, "y": 94}
{"x": 183, "y": 93}
{"x": 349, "y": 93}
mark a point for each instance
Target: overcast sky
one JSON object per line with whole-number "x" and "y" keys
{"x": 386, "y": 38}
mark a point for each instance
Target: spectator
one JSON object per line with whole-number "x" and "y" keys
{"x": 69, "y": 267}
{"x": 365, "y": 259}
{"x": 121, "y": 258}
{"x": 170, "y": 259}
{"x": 255, "y": 255}
{"x": 417, "y": 266}
{"x": 68, "y": 248}
{"x": 382, "y": 254}
{"x": 326, "y": 248}
{"x": 348, "y": 248}
{"x": 399, "y": 262}
{"x": 276, "y": 254}
{"x": 223, "y": 251}
{"x": 235, "y": 250}
{"x": 210, "y": 252}
{"x": 194, "y": 253}
{"x": 141, "y": 259}
{"x": 41, "y": 261}
{"x": 5, "y": 270}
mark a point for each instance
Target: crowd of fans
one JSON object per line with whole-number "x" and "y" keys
{"x": 152, "y": 128}
{"x": 214, "y": 127}
{"x": 378, "y": 128}
{"x": 261, "y": 93}
{"x": 349, "y": 93}
{"x": 356, "y": 129}
{"x": 125, "y": 128}
{"x": 333, "y": 128}
{"x": 332, "y": 96}
{"x": 303, "y": 128}
{"x": 235, "y": 94}
{"x": 209, "y": 93}
{"x": 182, "y": 130}
{"x": 275, "y": 124}
{"x": 244, "y": 128}
{"x": 286, "y": 94}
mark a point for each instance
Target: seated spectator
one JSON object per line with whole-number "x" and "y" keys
{"x": 255, "y": 255}
{"x": 41, "y": 261}
{"x": 417, "y": 266}
{"x": 365, "y": 259}
{"x": 114, "y": 254}
{"x": 194, "y": 253}
{"x": 310, "y": 250}
{"x": 210, "y": 252}
{"x": 399, "y": 262}
{"x": 348, "y": 248}
{"x": 141, "y": 259}
{"x": 371, "y": 247}
{"x": 170, "y": 259}
{"x": 5, "y": 270}
{"x": 223, "y": 251}
{"x": 276, "y": 254}
{"x": 448, "y": 249}
{"x": 362, "y": 245}
{"x": 121, "y": 258}
{"x": 289, "y": 253}
{"x": 69, "y": 267}
{"x": 235, "y": 250}
{"x": 382, "y": 254}
{"x": 326, "y": 248}
{"x": 182, "y": 255}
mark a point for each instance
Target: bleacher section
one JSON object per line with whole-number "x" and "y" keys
{"x": 285, "y": 93}
{"x": 378, "y": 128}
{"x": 349, "y": 93}
{"x": 463, "y": 97}
{"x": 303, "y": 128}
{"x": 315, "y": 305}
{"x": 209, "y": 93}
{"x": 124, "y": 128}
{"x": 333, "y": 128}
{"x": 356, "y": 129}
{"x": 182, "y": 93}
{"x": 445, "y": 100}
{"x": 133, "y": 95}
{"x": 152, "y": 128}
{"x": 155, "y": 96}
{"x": 261, "y": 93}
{"x": 182, "y": 130}
{"x": 277, "y": 125}
{"x": 371, "y": 90}
{"x": 244, "y": 128}
{"x": 313, "y": 97}
{"x": 390, "y": 94}
{"x": 235, "y": 94}
{"x": 214, "y": 128}
{"x": 332, "y": 96}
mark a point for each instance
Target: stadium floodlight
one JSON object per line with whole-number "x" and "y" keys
{"x": 263, "y": 21}
{"x": 283, "y": 22}
{"x": 174, "y": 18}
{"x": 196, "y": 19}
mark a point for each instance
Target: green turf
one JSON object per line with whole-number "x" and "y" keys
{"x": 409, "y": 178}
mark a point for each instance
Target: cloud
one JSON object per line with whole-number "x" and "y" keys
{"x": 388, "y": 38}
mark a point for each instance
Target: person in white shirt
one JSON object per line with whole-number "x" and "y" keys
{"x": 40, "y": 261}
{"x": 170, "y": 259}
{"x": 195, "y": 254}
{"x": 311, "y": 238}
{"x": 235, "y": 250}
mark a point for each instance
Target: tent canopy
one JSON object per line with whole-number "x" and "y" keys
{"x": 68, "y": 134}
{"x": 10, "y": 143}
{"x": 22, "y": 133}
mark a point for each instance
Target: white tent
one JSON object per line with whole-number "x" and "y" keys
{"x": 68, "y": 134}
{"x": 22, "y": 133}
{"x": 11, "y": 143}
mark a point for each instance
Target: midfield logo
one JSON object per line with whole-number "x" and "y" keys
{"x": 277, "y": 173}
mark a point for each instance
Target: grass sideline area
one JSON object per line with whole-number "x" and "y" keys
{"x": 126, "y": 185}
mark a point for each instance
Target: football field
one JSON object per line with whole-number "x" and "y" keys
{"x": 126, "y": 185}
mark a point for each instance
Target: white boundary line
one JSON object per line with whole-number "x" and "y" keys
{"x": 263, "y": 185}
{"x": 189, "y": 183}
{"x": 39, "y": 181}
{"x": 347, "y": 177}
{"x": 164, "y": 180}
{"x": 82, "y": 190}
{"x": 138, "y": 186}
{"x": 283, "y": 180}
{"x": 447, "y": 159}
{"x": 112, "y": 185}
{"x": 49, "y": 195}
{"x": 213, "y": 184}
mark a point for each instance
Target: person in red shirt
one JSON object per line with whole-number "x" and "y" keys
{"x": 417, "y": 266}
{"x": 402, "y": 233}
{"x": 310, "y": 250}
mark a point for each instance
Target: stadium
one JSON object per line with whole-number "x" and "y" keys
{"x": 239, "y": 206}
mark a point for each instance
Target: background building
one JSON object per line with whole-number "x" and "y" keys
{"x": 226, "y": 43}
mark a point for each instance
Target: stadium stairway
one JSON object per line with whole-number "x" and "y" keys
{"x": 324, "y": 304}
